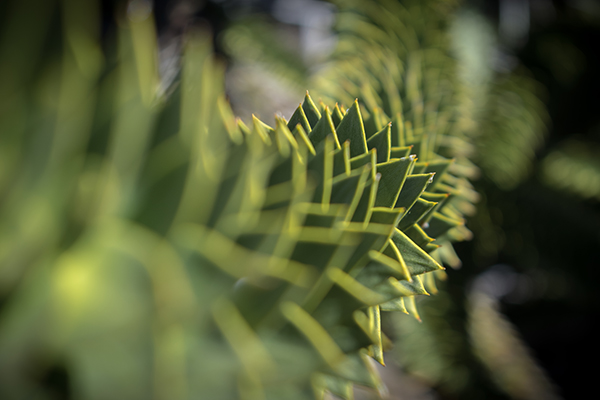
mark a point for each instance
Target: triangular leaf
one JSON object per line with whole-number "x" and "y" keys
{"x": 413, "y": 186}
{"x": 393, "y": 175}
{"x": 381, "y": 142}
{"x": 351, "y": 128}
{"x": 299, "y": 117}
{"x": 394, "y": 305}
{"x": 310, "y": 110}
{"x": 416, "y": 259}
{"x": 440, "y": 224}
{"x": 416, "y": 212}
{"x": 336, "y": 115}
{"x": 323, "y": 128}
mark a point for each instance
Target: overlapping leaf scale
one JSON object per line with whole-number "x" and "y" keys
{"x": 394, "y": 58}
{"x": 317, "y": 228}
{"x": 383, "y": 199}
{"x": 305, "y": 231}
{"x": 395, "y": 61}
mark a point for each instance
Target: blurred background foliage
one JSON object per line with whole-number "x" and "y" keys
{"x": 523, "y": 302}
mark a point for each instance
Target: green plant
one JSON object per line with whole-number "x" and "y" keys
{"x": 154, "y": 246}
{"x": 442, "y": 64}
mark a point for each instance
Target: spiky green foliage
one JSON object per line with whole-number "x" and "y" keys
{"x": 155, "y": 246}
{"x": 399, "y": 62}
{"x": 396, "y": 60}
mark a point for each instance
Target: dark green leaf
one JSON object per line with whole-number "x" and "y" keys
{"x": 416, "y": 259}
{"x": 323, "y": 128}
{"x": 413, "y": 186}
{"x": 351, "y": 128}
{"x": 299, "y": 117}
{"x": 415, "y": 213}
{"x": 310, "y": 110}
{"x": 393, "y": 175}
{"x": 381, "y": 142}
